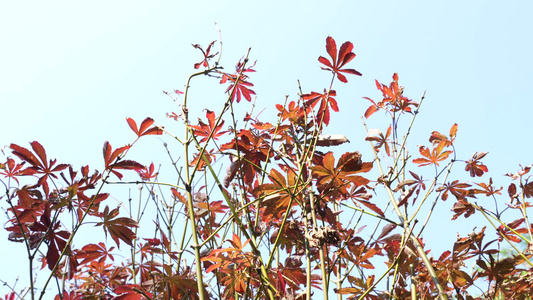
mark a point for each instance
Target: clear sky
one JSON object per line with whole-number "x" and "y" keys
{"x": 72, "y": 71}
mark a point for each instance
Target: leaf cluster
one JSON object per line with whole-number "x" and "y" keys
{"x": 290, "y": 218}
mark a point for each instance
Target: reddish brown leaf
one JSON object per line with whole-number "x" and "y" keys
{"x": 338, "y": 178}
{"x": 372, "y": 108}
{"x": 512, "y": 230}
{"x": 456, "y": 188}
{"x": 462, "y": 207}
{"x": 111, "y": 156}
{"x": 438, "y": 138}
{"x": 40, "y": 165}
{"x": 434, "y": 156}
{"x": 277, "y": 195}
{"x": 12, "y": 170}
{"x": 326, "y": 101}
{"x": 118, "y": 228}
{"x": 253, "y": 150}
{"x": 94, "y": 252}
{"x": 528, "y": 189}
{"x": 393, "y": 99}
{"x": 512, "y": 191}
{"x": 208, "y": 130}
{"x": 373, "y": 207}
{"x": 386, "y": 230}
{"x": 57, "y": 239}
{"x": 239, "y": 86}
{"x": 293, "y": 111}
{"x": 344, "y": 56}
{"x": 73, "y": 295}
{"x": 147, "y": 173}
{"x": 474, "y": 166}
{"x": 488, "y": 189}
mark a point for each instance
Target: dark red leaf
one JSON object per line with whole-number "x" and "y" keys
{"x": 118, "y": 228}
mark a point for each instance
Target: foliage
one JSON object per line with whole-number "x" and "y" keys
{"x": 284, "y": 222}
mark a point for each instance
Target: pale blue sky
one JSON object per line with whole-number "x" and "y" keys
{"x": 72, "y": 71}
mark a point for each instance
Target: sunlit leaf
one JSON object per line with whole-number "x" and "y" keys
{"x": 344, "y": 56}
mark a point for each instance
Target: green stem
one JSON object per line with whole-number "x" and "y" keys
{"x": 188, "y": 184}
{"x": 414, "y": 239}
{"x": 393, "y": 265}
{"x": 253, "y": 243}
{"x": 508, "y": 241}
{"x": 76, "y": 228}
{"x": 190, "y": 206}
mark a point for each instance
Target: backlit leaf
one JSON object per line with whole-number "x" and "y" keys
{"x": 119, "y": 228}
{"x": 344, "y": 56}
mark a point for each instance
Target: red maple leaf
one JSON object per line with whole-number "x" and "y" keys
{"x": 233, "y": 263}
{"x": 512, "y": 230}
{"x": 118, "y": 228}
{"x": 339, "y": 177}
{"x": 344, "y": 56}
{"x": 211, "y": 129}
{"x": 393, "y": 99}
{"x": 39, "y": 164}
{"x": 12, "y": 169}
{"x": 239, "y": 86}
{"x": 373, "y": 108}
{"x": 147, "y": 173}
{"x": 94, "y": 252}
{"x": 458, "y": 189}
{"x": 57, "y": 239}
{"x": 113, "y": 160}
{"x": 144, "y": 129}
{"x": 360, "y": 195}
{"x": 253, "y": 150}
{"x": 326, "y": 101}
{"x": 294, "y": 112}
{"x": 277, "y": 195}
